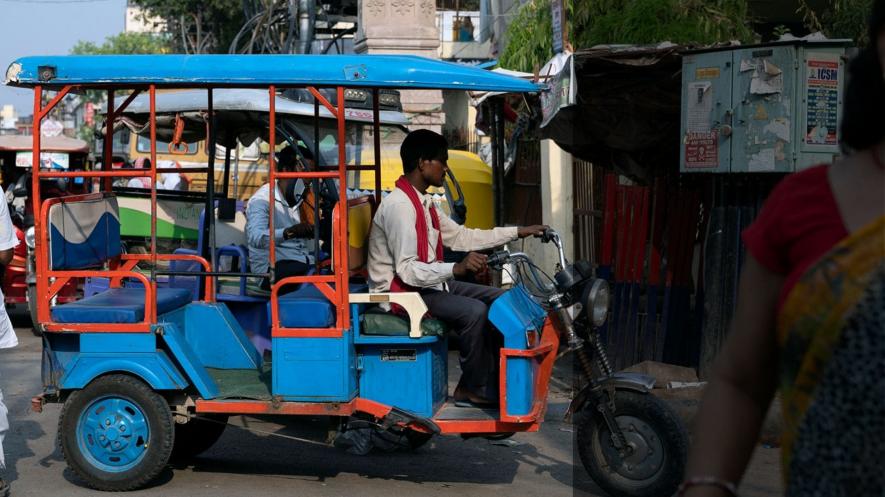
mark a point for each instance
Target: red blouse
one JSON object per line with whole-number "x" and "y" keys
{"x": 798, "y": 224}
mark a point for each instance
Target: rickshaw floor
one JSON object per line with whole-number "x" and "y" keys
{"x": 253, "y": 384}
{"x": 451, "y": 411}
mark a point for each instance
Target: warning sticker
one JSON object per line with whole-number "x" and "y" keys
{"x": 702, "y": 149}
{"x": 823, "y": 100}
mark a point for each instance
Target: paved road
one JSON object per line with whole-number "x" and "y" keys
{"x": 250, "y": 460}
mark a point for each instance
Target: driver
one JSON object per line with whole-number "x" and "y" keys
{"x": 292, "y": 235}
{"x": 406, "y": 255}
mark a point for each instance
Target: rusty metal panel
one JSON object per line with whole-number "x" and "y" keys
{"x": 764, "y": 93}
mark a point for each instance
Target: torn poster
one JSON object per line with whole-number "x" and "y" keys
{"x": 768, "y": 80}
{"x": 763, "y": 161}
{"x": 780, "y": 128}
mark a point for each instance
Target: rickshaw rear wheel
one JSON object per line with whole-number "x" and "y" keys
{"x": 657, "y": 439}
{"x": 197, "y": 435}
{"x": 116, "y": 434}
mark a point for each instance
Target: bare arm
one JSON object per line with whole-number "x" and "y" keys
{"x": 743, "y": 384}
{"x": 6, "y": 256}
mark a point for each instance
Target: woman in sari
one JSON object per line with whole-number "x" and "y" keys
{"x": 810, "y": 319}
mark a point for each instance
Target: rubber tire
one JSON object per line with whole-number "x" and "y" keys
{"x": 160, "y": 423}
{"x": 417, "y": 439}
{"x": 666, "y": 424}
{"x": 36, "y": 327}
{"x": 197, "y": 436}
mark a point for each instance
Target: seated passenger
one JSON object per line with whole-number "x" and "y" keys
{"x": 143, "y": 182}
{"x": 173, "y": 180}
{"x": 406, "y": 254}
{"x": 292, "y": 236}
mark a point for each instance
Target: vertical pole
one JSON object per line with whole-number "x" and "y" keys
{"x": 42, "y": 307}
{"x": 226, "y": 181}
{"x": 342, "y": 266}
{"x": 315, "y": 183}
{"x": 376, "y": 132}
{"x": 108, "y": 141}
{"x": 153, "y": 175}
{"x": 209, "y": 218}
{"x": 498, "y": 161}
{"x": 272, "y": 184}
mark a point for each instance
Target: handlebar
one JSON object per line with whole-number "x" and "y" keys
{"x": 550, "y": 235}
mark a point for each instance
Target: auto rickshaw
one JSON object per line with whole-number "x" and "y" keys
{"x": 147, "y": 371}
{"x": 16, "y": 163}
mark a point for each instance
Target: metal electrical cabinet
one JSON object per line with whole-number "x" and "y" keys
{"x": 763, "y": 108}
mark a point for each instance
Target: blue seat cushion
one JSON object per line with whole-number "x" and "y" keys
{"x": 119, "y": 305}
{"x": 308, "y": 308}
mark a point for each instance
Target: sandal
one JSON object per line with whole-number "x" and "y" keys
{"x": 4, "y": 488}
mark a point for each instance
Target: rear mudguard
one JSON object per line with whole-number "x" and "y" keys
{"x": 623, "y": 380}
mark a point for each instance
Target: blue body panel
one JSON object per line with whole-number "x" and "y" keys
{"x": 513, "y": 314}
{"x": 189, "y": 360}
{"x": 404, "y": 374}
{"x": 384, "y": 71}
{"x": 314, "y": 369}
{"x": 408, "y": 373}
{"x": 214, "y": 335}
{"x": 153, "y": 367}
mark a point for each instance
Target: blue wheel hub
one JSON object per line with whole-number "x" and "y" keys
{"x": 113, "y": 434}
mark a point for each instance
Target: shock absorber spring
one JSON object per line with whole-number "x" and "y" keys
{"x": 603, "y": 357}
{"x": 586, "y": 362}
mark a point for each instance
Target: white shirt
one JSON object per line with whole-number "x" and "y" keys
{"x": 258, "y": 235}
{"x": 393, "y": 247}
{"x": 8, "y": 240}
{"x": 172, "y": 181}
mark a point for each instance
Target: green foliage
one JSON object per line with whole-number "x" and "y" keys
{"x": 124, "y": 43}
{"x": 839, "y": 19}
{"x": 198, "y": 26}
{"x": 597, "y": 22}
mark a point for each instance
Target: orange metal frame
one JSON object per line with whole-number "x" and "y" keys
{"x": 50, "y": 282}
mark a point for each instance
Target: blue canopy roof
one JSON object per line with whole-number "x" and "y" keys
{"x": 377, "y": 71}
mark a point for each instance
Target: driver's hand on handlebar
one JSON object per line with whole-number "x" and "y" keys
{"x": 471, "y": 263}
{"x": 534, "y": 230}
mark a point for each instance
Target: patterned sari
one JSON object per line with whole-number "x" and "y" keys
{"x": 831, "y": 332}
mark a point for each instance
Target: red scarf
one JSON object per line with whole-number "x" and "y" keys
{"x": 398, "y": 285}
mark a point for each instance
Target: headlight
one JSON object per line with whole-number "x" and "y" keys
{"x": 598, "y": 301}
{"x": 30, "y": 236}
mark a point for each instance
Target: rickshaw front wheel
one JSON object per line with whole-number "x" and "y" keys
{"x": 116, "y": 434}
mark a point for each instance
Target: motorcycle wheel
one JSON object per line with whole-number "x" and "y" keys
{"x": 36, "y": 327}
{"x": 658, "y": 440}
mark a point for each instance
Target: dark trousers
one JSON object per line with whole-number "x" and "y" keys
{"x": 465, "y": 308}
{"x": 284, "y": 269}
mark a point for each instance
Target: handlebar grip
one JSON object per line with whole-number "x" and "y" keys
{"x": 547, "y": 235}
{"x": 497, "y": 259}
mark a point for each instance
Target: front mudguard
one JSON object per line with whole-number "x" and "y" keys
{"x": 623, "y": 380}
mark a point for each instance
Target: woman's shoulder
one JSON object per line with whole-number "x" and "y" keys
{"x": 809, "y": 186}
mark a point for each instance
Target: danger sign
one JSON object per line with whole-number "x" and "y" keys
{"x": 702, "y": 150}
